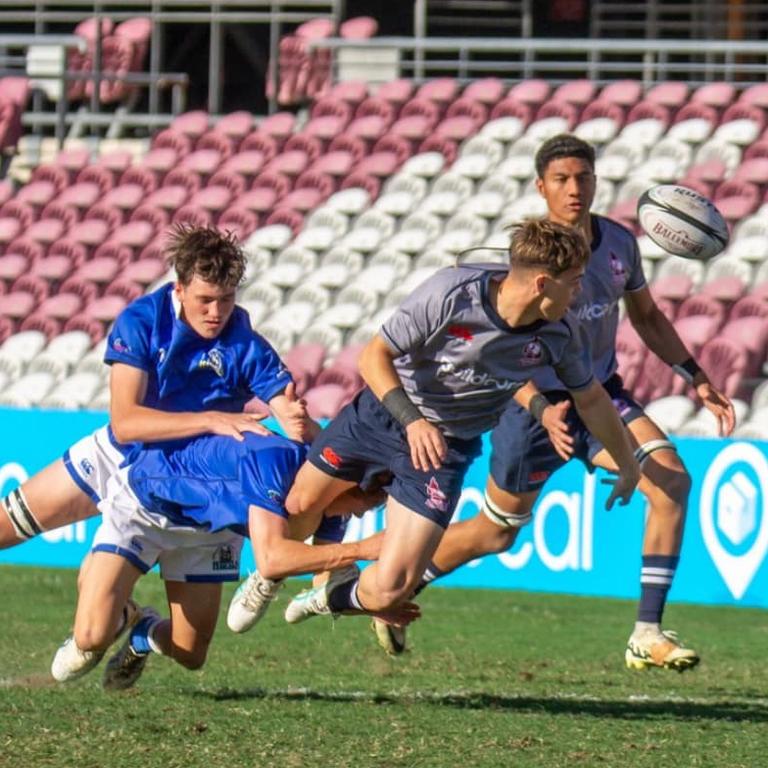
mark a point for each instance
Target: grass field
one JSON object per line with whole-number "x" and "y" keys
{"x": 492, "y": 679}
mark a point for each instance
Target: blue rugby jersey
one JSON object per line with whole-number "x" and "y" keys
{"x": 210, "y": 481}
{"x": 613, "y": 269}
{"x": 187, "y": 372}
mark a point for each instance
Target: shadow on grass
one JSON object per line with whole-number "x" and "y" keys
{"x": 627, "y": 709}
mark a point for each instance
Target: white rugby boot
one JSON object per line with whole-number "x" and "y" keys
{"x": 250, "y": 601}
{"x": 314, "y": 602}
{"x": 656, "y": 648}
{"x": 70, "y": 662}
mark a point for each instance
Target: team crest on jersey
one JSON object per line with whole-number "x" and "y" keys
{"x": 533, "y": 353}
{"x": 618, "y": 272}
{"x": 436, "y": 499}
{"x": 275, "y": 496}
{"x": 213, "y": 360}
{"x": 330, "y": 457}
{"x": 224, "y": 559}
{"x": 460, "y": 333}
{"x": 621, "y": 405}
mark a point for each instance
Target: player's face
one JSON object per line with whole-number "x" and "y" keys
{"x": 559, "y": 292}
{"x": 568, "y": 187}
{"x": 206, "y": 307}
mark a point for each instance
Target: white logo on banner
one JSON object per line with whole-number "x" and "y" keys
{"x": 732, "y": 510}
{"x": 12, "y": 471}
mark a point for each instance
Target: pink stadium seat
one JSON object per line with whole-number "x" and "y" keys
{"x": 116, "y": 59}
{"x": 9, "y": 229}
{"x": 737, "y": 199}
{"x": 57, "y": 175}
{"x": 39, "y": 287}
{"x": 15, "y": 89}
{"x": 325, "y": 402}
{"x": 755, "y": 95}
{"x": 96, "y": 174}
{"x": 126, "y": 289}
{"x": 379, "y": 107}
{"x": 370, "y": 128}
{"x": 697, "y": 111}
{"x": 73, "y": 160}
{"x": 37, "y": 194}
{"x": 168, "y": 198}
{"x": 324, "y": 128}
{"x": 137, "y": 31}
{"x": 303, "y": 200}
{"x": 398, "y": 92}
{"x": 193, "y": 124}
{"x": 290, "y": 162}
{"x": 112, "y": 216}
{"x": 742, "y": 111}
{"x": 362, "y": 180}
{"x": 258, "y": 200}
{"x": 650, "y": 110}
{"x": 351, "y": 91}
{"x": 90, "y": 233}
{"x": 95, "y": 329}
{"x": 55, "y": 269}
{"x": 625, "y": 213}
{"x": 99, "y": 271}
{"x": 194, "y": 216}
{"x": 379, "y": 164}
{"x": 533, "y": 92}
{"x": 202, "y": 161}
{"x": 359, "y": 28}
{"x": 125, "y": 196}
{"x": 161, "y": 160}
{"x": 117, "y": 161}
{"x": 146, "y": 178}
{"x": 509, "y": 107}
{"x": 487, "y": 91}
{"x": 184, "y": 177}
{"x": 278, "y": 126}
{"x": 727, "y": 289}
{"x": 305, "y": 362}
{"x": 415, "y": 128}
{"x": 234, "y": 182}
{"x": 7, "y": 191}
{"x": 12, "y": 266}
{"x": 240, "y": 221}
{"x": 422, "y": 107}
{"x": 758, "y": 148}
{"x": 24, "y": 213}
{"x": 329, "y": 106}
{"x": 322, "y": 182}
{"x": 134, "y": 234}
{"x": 673, "y": 287}
{"x": 749, "y": 306}
{"x": 17, "y": 305}
{"x": 158, "y": 218}
{"x": 61, "y": 306}
{"x": 754, "y": 169}
{"x": 702, "y": 305}
{"x": 310, "y": 145}
{"x": 76, "y": 252}
{"x": 66, "y": 213}
{"x": 441, "y": 91}
{"x": 292, "y": 219}
{"x": 236, "y": 125}
{"x": 30, "y": 249}
{"x": 40, "y": 322}
{"x": 224, "y": 145}
{"x": 752, "y": 334}
{"x": 81, "y": 195}
{"x": 672, "y": 94}
{"x": 46, "y": 231}
{"x": 354, "y": 145}
{"x": 278, "y": 182}
{"x": 448, "y": 148}
{"x": 623, "y": 93}
{"x": 335, "y": 163}
{"x": 718, "y": 95}
{"x": 214, "y": 199}
{"x": 466, "y": 107}
{"x": 457, "y": 128}
{"x": 122, "y": 254}
{"x": 726, "y": 364}
{"x": 577, "y": 92}
{"x": 600, "y": 108}
{"x": 568, "y": 111}
{"x": 170, "y": 138}
{"x": 391, "y": 144}
{"x": 247, "y": 163}
{"x": 146, "y": 270}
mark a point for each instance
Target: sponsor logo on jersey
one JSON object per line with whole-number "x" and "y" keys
{"x": 618, "y": 272}
{"x": 532, "y": 353}
{"x": 213, "y": 360}
{"x": 161, "y": 355}
{"x": 119, "y": 345}
{"x": 621, "y": 405}
{"x": 136, "y": 544}
{"x": 460, "y": 332}
{"x": 330, "y": 457}
{"x": 436, "y": 499}
{"x": 87, "y": 467}
{"x": 595, "y": 311}
{"x": 275, "y": 496}
{"x": 471, "y": 376}
{"x": 538, "y": 477}
{"x": 224, "y": 559}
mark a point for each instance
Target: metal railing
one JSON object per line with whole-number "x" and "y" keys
{"x": 561, "y": 59}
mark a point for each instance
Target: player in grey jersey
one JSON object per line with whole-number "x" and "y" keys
{"x": 528, "y": 445}
{"x": 439, "y": 374}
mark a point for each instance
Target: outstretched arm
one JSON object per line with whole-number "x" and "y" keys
{"x": 660, "y": 336}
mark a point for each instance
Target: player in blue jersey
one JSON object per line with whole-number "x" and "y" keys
{"x": 187, "y": 507}
{"x": 529, "y": 444}
{"x": 184, "y": 361}
{"x": 439, "y": 374}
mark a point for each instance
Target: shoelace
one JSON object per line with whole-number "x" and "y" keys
{"x": 259, "y": 590}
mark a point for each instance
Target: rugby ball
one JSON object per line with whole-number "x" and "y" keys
{"x": 682, "y": 222}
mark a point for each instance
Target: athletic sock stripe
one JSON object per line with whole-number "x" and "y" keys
{"x": 657, "y": 571}
{"x": 656, "y": 580}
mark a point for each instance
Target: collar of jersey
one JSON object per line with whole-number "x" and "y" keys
{"x": 496, "y": 318}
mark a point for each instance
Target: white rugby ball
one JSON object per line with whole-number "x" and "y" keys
{"x": 682, "y": 222}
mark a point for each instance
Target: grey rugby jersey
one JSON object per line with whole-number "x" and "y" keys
{"x": 614, "y": 268}
{"x": 460, "y": 362}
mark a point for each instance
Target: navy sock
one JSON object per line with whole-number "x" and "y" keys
{"x": 431, "y": 573}
{"x": 655, "y": 580}
{"x": 344, "y": 597}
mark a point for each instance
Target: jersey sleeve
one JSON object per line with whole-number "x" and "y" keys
{"x": 636, "y": 279}
{"x": 267, "y": 475}
{"x": 574, "y": 368}
{"x": 420, "y": 315}
{"x": 129, "y": 339}
{"x": 265, "y": 373}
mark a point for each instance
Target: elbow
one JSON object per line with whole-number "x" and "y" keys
{"x": 121, "y": 432}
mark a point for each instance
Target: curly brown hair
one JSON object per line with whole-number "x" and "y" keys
{"x": 206, "y": 252}
{"x": 542, "y": 243}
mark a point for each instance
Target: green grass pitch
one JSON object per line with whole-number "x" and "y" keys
{"x": 492, "y": 679}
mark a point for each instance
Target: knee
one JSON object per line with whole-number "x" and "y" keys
{"x": 92, "y": 637}
{"x": 394, "y": 590}
{"x": 191, "y": 658}
{"x": 494, "y": 539}
{"x": 673, "y": 493}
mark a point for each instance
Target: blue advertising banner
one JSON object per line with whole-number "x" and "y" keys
{"x": 572, "y": 546}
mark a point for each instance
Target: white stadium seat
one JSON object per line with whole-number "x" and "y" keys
{"x": 18, "y": 350}
{"x": 62, "y": 353}
{"x": 28, "y": 391}
{"x": 74, "y": 392}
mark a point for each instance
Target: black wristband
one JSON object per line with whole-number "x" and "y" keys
{"x": 687, "y": 369}
{"x": 400, "y": 406}
{"x": 536, "y": 406}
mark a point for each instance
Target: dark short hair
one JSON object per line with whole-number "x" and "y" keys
{"x": 206, "y": 252}
{"x": 554, "y": 248}
{"x": 563, "y": 145}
